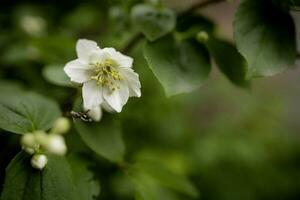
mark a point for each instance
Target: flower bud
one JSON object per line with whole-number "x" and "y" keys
{"x": 39, "y": 161}
{"x": 29, "y": 150}
{"x": 41, "y": 137}
{"x": 55, "y": 144}
{"x": 95, "y": 113}
{"x": 202, "y": 36}
{"x": 61, "y": 125}
{"x": 28, "y": 140}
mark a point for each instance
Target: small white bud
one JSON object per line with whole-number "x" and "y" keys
{"x": 61, "y": 125}
{"x": 28, "y": 140}
{"x": 41, "y": 137}
{"x": 94, "y": 113}
{"x": 29, "y": 150}
{"x": 39, "y": 161}
{"x": 202, "y": 36}
{"x": 55, "y": 144}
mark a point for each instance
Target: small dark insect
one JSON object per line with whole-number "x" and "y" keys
{"x": 81, "y": 115}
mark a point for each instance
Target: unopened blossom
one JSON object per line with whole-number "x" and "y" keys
{"x": 56, "y": 145}
{"x": 61, "y": 126}
{"x": 106, "y": 75}
{"x": 39, "y": 161}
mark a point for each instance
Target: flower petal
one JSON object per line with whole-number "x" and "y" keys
{"x": 132, "y": 80}
{"x": 94, "y": 113}
{"x": 92, "y": 94}
{"x": 78, "y": 72}
{"x": 118, "y": 98}
{"x": 105, "y": 106}
{"x": 98, "y": 56}
{"x": 84, "y": 47}
{"x": 122, "y": 60}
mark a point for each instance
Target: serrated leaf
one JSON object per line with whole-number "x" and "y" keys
{"x": 153, "y": 22}
{"x": 87, "y": 187}
{"x": 179, "y": 67}
{"x": 56, "y": 75}
{"x": 265, "y": 36}
{"x": 148, "y": 176}
{"x": 26, "y": 112}
{"x": 229, "y": 60}
{"x": 54, "y": 182}
{"x": 103, "y": 137}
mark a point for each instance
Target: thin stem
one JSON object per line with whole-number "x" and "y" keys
{"x": 132, "y": 42}
{"x": 199, "y": 5}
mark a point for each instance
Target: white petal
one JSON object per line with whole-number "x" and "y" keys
{"x": 105, "y": 106}
{"x": 122, "y": 60}
{"x": 84, "y": 47}
{"x": 92, "y": 94}
{"x": 132, "y": 80}
{"x": 94, "y": 113}
{"x": 78, "y": 72}
{"x": 98, "y": 56}
{"x": 118, "y": 98}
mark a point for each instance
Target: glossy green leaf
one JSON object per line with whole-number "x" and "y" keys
{"x": 229, "y": 61}
{"x": 179, "y": 67}
{"x": 153, "y": 22}
{"x": 26, "y": 112}
{"x": 54, "y": 182}
{"x": 103, "y": 137}
{"x": 56, "y": 75}
{"x": 87, "y": 187}
{"x": 150, "y": 178}
{"x": 265, "y": 36}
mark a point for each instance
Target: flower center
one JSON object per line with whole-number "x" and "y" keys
{"x": 106, "y": 74}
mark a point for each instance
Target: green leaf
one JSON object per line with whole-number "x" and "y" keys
{"x": 56, "y": 75}
{"x": 146, "y": 188}
{"x": 54, "y": 182}
{"x": 195, "y": 22}
{"x": 103, "y": 137}
{"x": 265, "y": 39}
{"x": 153, "y": 22}
{"x": 179, "y": 67}
{"x": 150, "y": 177}
{"x": 10, "y": 87}
{"x": 229, "y": 61}
{"x": 84, "y": 181}
{"x": 27, "y": 112}
{"x": 287, "y": 4}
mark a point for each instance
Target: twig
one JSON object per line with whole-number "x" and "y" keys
{"x": 132, "y": 42}
{"x": 201, "y": 4}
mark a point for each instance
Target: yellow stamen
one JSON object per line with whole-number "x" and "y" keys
{"x": 106, "y": 75}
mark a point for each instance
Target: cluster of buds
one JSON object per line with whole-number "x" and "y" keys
{"x": 38, "y": 143}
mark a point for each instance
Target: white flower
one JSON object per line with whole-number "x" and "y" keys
{"x": 106, "y": 75}
{"x": 39, "y": 161}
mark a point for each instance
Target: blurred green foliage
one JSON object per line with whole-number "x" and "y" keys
{"x": 232, "y": 144}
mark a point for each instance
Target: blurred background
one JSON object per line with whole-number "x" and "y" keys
{"x": 233, "y": 143}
